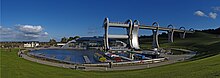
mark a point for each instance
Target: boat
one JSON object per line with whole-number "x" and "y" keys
{"x": 114, "y": 57}
{"x": 99, "y": 57}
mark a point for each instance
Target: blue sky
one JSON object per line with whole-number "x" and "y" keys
{"x": 45, "y": 19}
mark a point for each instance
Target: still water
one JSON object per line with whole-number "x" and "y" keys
{"x": 75, "y": 56}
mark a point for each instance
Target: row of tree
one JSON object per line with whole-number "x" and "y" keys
{"x": 63, "y": 40}
{"x": 212, "y": 31}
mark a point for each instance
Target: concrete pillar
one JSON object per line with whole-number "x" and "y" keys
{"x": 155, "y": 43}
{"x": 182, "y": 35}
{"x": 170, "y": 33}
{"x": 170, "y": 36}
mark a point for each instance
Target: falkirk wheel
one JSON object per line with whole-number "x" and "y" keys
{"x": 132, "y": 28}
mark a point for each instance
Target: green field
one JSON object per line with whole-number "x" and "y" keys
{"x": 205, "y": 65}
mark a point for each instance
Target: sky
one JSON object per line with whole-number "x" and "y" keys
{"x": 41, "y": 20}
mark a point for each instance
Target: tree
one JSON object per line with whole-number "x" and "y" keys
{"x": 52, "y": 42}
{"x": 212, "y": 31}
{"x": 70, "y": 39}
{"x": 76, "y": 37}
{"x": 64, "y": 40}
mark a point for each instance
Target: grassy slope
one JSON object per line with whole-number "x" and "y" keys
{"x": 15, "y": 67}
{"x": 205, "y": 44}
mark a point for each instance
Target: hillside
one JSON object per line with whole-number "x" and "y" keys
{"x": 207, "y": 45}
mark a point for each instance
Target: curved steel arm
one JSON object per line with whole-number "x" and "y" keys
{"x": 170, "y": 33}
{"x": 191, "y": 29}
{"x": 170, "y": 26}
{"x": 106, "y": 27}
{"x": 134, "y": 35}
{"x": 182, "y": 28}
{"x": 184, "y": 33}
{"x": 129, "y": 32}
{"x": 155, "y": 43}
{"x": 128, "y": 21}
{"x": 155, "y": 23}
{"x": 136, "y": 22}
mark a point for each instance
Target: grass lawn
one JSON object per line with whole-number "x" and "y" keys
{"x": 14, "y": 67}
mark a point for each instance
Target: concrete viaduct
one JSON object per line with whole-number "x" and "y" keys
{"x": 133, "y": 27}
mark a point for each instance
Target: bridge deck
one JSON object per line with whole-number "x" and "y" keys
{"x": 118, "y": 36}
{"x": 122, "y": 25}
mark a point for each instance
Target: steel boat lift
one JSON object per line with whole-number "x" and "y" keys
{"x": 133, "y": 27}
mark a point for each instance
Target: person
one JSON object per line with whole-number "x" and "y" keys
{"x": 75, "y": 67}
{"x": 19, "y": 54}
{"x": 110, "y": 64}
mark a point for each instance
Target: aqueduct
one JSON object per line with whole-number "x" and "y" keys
{"x": 133, "y": 27}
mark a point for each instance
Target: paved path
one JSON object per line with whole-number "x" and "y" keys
{"x": 47, "y": 62}
{"x": 172, "y": 59}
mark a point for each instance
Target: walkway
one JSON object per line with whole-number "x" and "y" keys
{"x": 47, "y": 62}
{"x": 172, "y": 59}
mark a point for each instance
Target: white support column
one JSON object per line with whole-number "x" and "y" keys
{"x": 170, "y": 36}
{"x": 106, "y": 26}
{"x": 155, "y": 43}
{"x": 182, "y": 35}
{"x": 129, "y": 33}
{"x": 134, "y": 35}
{"x": 170, "y": 33}
{"x": 128, "y": 36}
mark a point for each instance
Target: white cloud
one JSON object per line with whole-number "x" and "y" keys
{"x": 216, "y": 8}
{"x": 200, "y": 13}
{"x": 22, "y": 32}
{"x": 5, "y": 31}
{"x": 29, "y": 29}
{"x": 213, "y": 15}
{"x": 45, "y": 33}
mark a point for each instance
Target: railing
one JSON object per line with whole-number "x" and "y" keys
{"x": 129, "y": 62}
